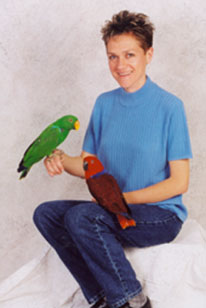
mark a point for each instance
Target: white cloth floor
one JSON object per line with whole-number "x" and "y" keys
{"x": 173, "y": 276}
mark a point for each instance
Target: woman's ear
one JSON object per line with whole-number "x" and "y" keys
{"x": 149, "y": 54}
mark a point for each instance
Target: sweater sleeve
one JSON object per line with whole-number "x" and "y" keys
{"x": 93, "y": 131}
{"x": 179, "y": 146}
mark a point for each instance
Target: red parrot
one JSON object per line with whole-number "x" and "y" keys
{"x": 105, "y": 189}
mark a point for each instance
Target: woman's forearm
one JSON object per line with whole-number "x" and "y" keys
{"x": 156, "y": 193}
{"x": 59, "y": 161}
{"x": 176, "y": 184}
{"x": 73, "y": 165}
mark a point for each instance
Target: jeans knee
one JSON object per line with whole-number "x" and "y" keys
{"x": 71, "y": 219}
{"x": 40, "y": 213}
{"x": 79, "y": 219}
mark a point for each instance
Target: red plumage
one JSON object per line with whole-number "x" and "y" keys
{"x": 105, "y": 189}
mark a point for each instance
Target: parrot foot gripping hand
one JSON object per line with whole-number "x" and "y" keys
{"x": 56, "y": 152}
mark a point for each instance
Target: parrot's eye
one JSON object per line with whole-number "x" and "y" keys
{"x": 92, "y": 161}
{"x": 70, "y": 120}
{"x": 85, "y": 165}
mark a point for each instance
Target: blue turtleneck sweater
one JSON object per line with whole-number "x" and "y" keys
{"x": 136, "y": 134}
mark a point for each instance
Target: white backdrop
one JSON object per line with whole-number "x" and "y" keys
{"x": 52, "y": 63}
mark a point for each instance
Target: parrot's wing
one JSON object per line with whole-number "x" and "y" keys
{"x": 116, "y": 192}
{"x": 42, "y": 146}
{"x": 106, "y": 191}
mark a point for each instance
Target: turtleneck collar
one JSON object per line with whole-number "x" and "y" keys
{"x": 137, "y": 97}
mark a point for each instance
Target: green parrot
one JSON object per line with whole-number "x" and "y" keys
{"x": 47, "y": 142}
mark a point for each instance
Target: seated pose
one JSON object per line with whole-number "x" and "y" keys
{"x": 139, "y": 132}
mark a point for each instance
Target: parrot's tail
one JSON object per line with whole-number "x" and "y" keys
{"x": 125, "y": 222}
{"x": 24, "y": 173}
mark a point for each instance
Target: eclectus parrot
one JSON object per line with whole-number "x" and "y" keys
{"x": 47, "y": 142}
{"x": 105, "y": 189}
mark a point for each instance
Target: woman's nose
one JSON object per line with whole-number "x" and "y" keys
{"x": 121, "y": 62}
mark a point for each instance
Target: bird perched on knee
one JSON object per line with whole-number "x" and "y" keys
{"x": 105, "y": 189}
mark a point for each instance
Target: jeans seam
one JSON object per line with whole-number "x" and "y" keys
{"x": 116, "y": 271}
{"x": 126, "y": 299}
{"x": 162, "y": 221}
{"x": 95, "y": 298}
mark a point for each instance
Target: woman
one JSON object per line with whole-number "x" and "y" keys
{"x": 140, "y": 134}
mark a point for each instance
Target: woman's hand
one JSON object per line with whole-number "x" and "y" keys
{"x": 54, "y": 163}
{"x": 59, "y": 161}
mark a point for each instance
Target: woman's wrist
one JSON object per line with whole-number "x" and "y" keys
{"x": 130, "y": 198}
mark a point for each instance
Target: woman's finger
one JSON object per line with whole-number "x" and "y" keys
{"x": 53, "y": 166}
{"x": 57, "y": 164}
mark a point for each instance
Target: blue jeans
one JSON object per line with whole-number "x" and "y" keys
{"x": 90, "y": 242}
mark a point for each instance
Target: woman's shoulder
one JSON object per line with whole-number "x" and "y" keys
{"x": 109, "y": 95}
{"x": 104, "y": 101}
{"x": 167, "y": 99}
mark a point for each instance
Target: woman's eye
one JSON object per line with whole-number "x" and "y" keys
{"x": 112, "y": 57}
{"x": 129, "y": 55}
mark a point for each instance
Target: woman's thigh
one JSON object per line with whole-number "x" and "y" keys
{"x": 154, "y": 226}
{"x": 57, "y": 207}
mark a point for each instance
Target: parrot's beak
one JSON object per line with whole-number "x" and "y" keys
{"x": 85, "y": 165}
{"x": 77, "y": 125}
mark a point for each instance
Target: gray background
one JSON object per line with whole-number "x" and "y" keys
{"x": 52, "y": 63}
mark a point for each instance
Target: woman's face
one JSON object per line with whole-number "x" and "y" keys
{"x": 128, "y": 61}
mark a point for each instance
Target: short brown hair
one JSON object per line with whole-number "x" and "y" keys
{"x": 125, "y": 22}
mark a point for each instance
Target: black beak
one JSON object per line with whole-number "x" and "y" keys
{"x": 85, "y": 165}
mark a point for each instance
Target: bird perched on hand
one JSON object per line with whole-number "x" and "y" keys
{"x": 105, "y": 189}
{"x": 47, "y": 142}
